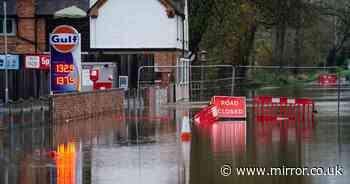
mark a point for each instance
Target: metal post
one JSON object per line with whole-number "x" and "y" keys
{"x": 202, "y": 83}
{"x": 203, "y": 57}
{"x": 138, "y": 83}
{"x": 233, "y": 81}
{"x": 338, "y": 90}
{"x": 5, "y": 48}
{"x": 6, "y": 177}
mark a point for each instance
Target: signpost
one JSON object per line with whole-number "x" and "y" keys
{"x": 11, "y": 62}
{"x": 41, "y": 62}
{"x": 123, "y": 82}
{"x": 230, "y": 107}
{"x": 94, "y": 75}
{"x": 222, "y": 107}
{"x": 65, "y": 48}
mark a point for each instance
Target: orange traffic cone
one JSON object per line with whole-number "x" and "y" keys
{"x": 185, "y": 129}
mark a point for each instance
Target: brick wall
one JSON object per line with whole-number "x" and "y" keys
{"x": 166, "y": 59}
{"x": 86, "y": 104}
{"x": 27, "y": 25}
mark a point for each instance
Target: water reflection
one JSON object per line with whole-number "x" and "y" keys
{"x": 67, "y": 166}
{"x": 128, "y": 147}
{"x": 228, "y": 137}
{"x": 106, "y": 149}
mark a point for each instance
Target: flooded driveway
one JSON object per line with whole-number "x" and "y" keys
{"x": 144, "y": 146}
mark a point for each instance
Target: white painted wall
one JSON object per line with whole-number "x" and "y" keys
{"x": 135, "y": 24}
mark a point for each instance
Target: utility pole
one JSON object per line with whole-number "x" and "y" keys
{"x": 5, "y": 50}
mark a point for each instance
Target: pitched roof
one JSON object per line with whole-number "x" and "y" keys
{"x": 11, "y": 7}
{"x": 49, "y": 7}
{"x": 173, "y": 6}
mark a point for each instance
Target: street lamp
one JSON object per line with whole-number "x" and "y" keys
{"x": 203, "y": 57}
{"x": 5, "y": 50}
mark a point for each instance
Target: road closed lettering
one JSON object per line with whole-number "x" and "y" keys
{"x": 230, "y": 107}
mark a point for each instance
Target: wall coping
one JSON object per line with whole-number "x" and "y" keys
{"x": 86, "y": 92}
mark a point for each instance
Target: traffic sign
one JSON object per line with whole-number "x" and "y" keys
{"x": 230, "y": 107}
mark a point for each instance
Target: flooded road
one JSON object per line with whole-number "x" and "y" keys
{"x": 144, "y": 146}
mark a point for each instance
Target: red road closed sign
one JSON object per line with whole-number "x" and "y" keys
{"x": 230, "y": 107}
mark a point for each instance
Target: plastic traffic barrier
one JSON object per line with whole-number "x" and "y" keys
{"x": 327, "y": 79}
{"x": 208, "y": 114}
{"x": 267, "y": 108}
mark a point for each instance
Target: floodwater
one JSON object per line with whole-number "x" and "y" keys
{"x": 144, "y": 146}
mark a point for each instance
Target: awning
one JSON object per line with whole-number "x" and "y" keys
{"x": 70, "y": 12}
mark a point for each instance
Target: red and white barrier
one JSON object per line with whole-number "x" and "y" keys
{"x": 267, "y": 108}
{"x": 208, "y": 114}
{"x": 327, "y": 79}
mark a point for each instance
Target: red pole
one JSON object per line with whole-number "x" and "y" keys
{"x": 308, "y": 114}
{"x": 298, "y": 113}
{"x": 313, "y": 109}
{"x": 304, "y": 113}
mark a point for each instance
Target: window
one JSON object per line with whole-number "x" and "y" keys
{"x": 11, "y": 26}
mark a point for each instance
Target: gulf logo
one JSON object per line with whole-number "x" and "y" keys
{"x": 64, "y": 38}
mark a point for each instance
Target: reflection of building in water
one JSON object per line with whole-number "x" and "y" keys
{"x": 228, "y": 137}
{"x": 87, "y": 159}
{"x": 156, "y": 162}
{"x": 147, "y": 129}
{"x": 24, "y": 152}
{"x": 21, "y": 153}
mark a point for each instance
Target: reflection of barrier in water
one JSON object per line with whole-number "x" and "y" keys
{"x": 269, "y": 132}
{"x": 228, "y": 136}
{"x": 270, "y": 109}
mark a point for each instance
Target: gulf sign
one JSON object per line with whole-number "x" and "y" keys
{"x": 230, "y": 107}
{"x": 64, "y": 39}
{"x": 65, "y": 50}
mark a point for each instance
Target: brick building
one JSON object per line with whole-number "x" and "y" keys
{"x": 28, "y": 27}
{"x": 136, "y": 33}
{"x": 152, "y": 32}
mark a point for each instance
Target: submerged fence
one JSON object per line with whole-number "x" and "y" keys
{"x": 25, "y": 113}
